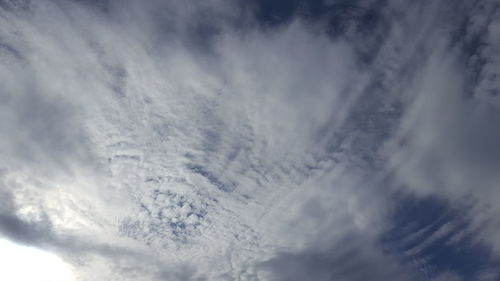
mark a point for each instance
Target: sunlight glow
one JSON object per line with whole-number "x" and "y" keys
{"x": 22, "y": 263}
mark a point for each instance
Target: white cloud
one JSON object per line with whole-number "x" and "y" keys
{"x": 129, "y": 146}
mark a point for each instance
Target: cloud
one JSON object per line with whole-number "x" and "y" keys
{"x": 19, "y": 230}
{"x": 196, "y": 141}
{"x": 446, "y": 141}
{"x": 350, "y": 259}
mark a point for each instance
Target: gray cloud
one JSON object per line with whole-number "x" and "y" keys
{"x": 351, "y": 259}
{"x": 19, "y": 230}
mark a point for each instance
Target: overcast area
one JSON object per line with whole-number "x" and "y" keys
{"x": 221, "y": 140}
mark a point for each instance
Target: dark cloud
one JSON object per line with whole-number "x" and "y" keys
{"x": 22, "y": 231}
{"x": 350, "y": 259}
{"x": 17, "y": 229}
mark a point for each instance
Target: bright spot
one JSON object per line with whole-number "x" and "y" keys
{"x": 21, "y": 263}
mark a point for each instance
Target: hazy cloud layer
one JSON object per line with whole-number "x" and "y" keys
{"x": 222, "y": 140}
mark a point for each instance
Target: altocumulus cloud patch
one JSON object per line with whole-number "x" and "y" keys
{"x": 253, "y": 140}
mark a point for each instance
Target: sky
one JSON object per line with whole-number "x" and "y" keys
{"x": 249, "y": 140}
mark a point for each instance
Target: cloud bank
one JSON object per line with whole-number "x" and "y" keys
{"x": 222, "y": 140}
